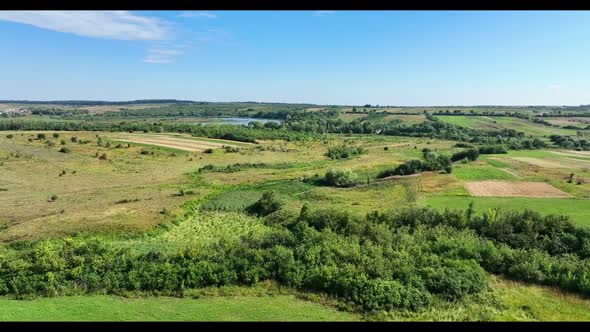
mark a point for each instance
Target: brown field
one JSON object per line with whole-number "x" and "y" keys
{"x": 176, "y": 143}
{"x": 514, "y": 189}
{"x": 571, "y": 121}
{"x": 555, "y": 163}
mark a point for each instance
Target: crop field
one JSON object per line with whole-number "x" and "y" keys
{"x": 513, "y": 189}
{"x": 498, "y": 123}
{"x": 191, "y": 145}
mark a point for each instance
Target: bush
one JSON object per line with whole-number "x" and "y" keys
{"x": 55, "y": 135}
{"x": 340, "y": 178}
{"x": 492, "y": 149}
{"x": 266, "y": 205}
{"x": 469, "y": 154}
{"x": 64, "y": 150}
{"x": 41, "y": 136}
{"x": 103, "y": 156}
{"x": 343, "y": 152}
{"x": 463, "y": 145}
{"x": 74, "y": 139}
{"x": 230, "y": 149}
{"x": 9, "y": 136}
{"x": 53, "y": 198}
{"x": 209, "y": 150}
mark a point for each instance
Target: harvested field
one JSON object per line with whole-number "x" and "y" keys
{"x": 514, "y": 189}
{"x": 555, "y": 163}
{"x": 191, "y": 145}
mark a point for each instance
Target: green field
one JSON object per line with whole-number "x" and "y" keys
{"x": 577, "y": 209}
{"x": 113, "y": 308}
{"x": 478, "y": 173}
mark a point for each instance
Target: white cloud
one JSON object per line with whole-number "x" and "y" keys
{"x": 197, "y": 15}
{"x": 323, "y": 12}
{"x": 121, "y": 25}
{"x": 555, "y": 87}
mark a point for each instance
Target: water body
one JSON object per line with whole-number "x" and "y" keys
{"x": 236, "y": 121}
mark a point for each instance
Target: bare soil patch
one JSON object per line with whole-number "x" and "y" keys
{"x": 514, "y": 189}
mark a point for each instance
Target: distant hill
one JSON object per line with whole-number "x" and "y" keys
{"x": 98, "y": 102}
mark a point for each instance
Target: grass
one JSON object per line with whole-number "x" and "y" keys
{"x": 113, "y": 308}
{"x": 505, "y": 300}
{"x": 577, "y": 209}
{"x": 477, "y": 173}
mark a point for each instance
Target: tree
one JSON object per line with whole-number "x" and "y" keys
{"x": 266, "y": 205}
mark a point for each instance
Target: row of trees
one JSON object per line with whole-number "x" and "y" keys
{"x": 431, "y": 161}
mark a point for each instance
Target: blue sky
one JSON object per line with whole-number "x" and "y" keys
{"x": 323, "y": 57}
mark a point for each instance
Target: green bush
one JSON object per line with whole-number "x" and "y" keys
{"x": 266, "y": 205}
{"x": 64, "y": 150}
{"x": 469, "y": 154}
{"x": 340, "y": 178}
{"x": 343, "y": 152}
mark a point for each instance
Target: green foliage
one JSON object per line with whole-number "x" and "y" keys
{"x": 55, "y": 135}
{"x": 340, "y": 178}
{"x": 41, "y": 136}
{"x": 492, "y": 149}
{"x": 343, "y": 152}
{"x": 64, "y": 150}
{"x": 469, "y": 154}
{"x": 231, "y": 149}
{"x": 431, "y": 162}
{"x": 266, "y": 205}
{"x": 9, "y": 136}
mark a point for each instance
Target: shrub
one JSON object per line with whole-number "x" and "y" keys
{"x": 230, "y": 149}
{"x": 492, "y": 149}
{"x": 62, "y": 142}
{"x": 103, "y": 156}
{"x": 343, "y": 152}
{"x": 340, "y": 178}
{"x": 469, "y": 154}
{"x": 41, "y": 136}
{"x": 266, "y": 205}
{"x": 64, "y": 150}
{"x": 52, "y": 198}
{"x": 463, "y": 145}
{"x": 74, "y": 139}
{"x": 9, "y": 136}
{"x": 208, "y": 150}
{"x": 55, "y": 135}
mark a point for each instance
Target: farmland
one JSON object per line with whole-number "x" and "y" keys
{"x": 266, "y": 221}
